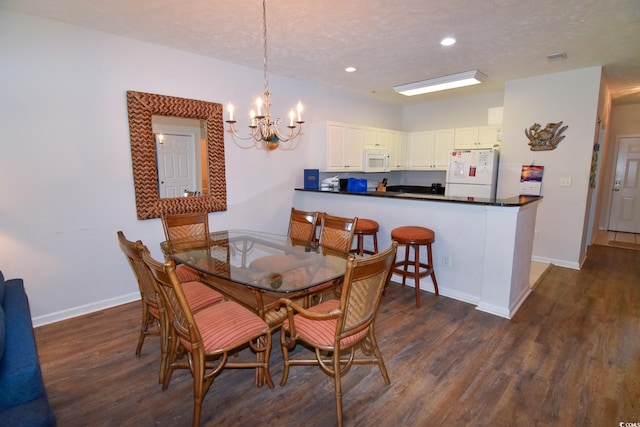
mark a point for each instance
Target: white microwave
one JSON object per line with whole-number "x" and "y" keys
{"x": 375, "y": 161}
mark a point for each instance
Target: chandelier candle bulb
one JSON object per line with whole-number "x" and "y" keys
{"x": 259, "y": 105}
{"x": 230, "y": 108}
{"x": 300, "y": 111}
{"x": 291, "y": 114}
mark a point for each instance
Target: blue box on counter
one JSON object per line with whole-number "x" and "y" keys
{"x": 357, "y": 185}
{"x": 311, "y": 179}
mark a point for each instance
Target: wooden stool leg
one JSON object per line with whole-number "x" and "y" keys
{"x": 406, "y": 263}
{"x": 433, "y": 270}
{"x": 417, "y": 274}
{"x": 360, "y": 244}
{"x": 375, "y": 243}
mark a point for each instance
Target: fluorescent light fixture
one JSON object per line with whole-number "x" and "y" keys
{"x": 451, "y": 81}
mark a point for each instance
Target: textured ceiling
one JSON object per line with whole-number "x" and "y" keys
{"x": 389, "y": 42}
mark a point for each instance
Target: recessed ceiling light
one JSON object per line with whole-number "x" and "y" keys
{"x": 350, "y": 69}
{"x": 448, "y": 41}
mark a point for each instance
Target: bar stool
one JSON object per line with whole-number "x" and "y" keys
{"x": 413, "y": 237}
{"x": 366, "y": 227}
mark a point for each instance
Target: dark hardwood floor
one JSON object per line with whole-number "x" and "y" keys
{"x": 570, "y": 357}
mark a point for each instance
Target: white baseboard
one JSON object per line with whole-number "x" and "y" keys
{"x": 84, "y": 309}
{"x": 494, "y": 309}
{"x": 557, "y": 262}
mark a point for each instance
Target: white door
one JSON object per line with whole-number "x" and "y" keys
{"x": 176, "y": 165}
{"x": 625, "y": 203}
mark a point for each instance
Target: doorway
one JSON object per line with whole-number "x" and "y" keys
{"x": 625, "y": 201}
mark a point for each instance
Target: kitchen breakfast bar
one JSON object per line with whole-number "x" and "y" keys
{"x": 483, "y": 247}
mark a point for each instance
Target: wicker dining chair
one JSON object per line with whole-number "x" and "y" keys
{"x": 302, "y": 232}
{"x": 208, "y": 337}
{"x": 335, "y": 327}
{"x": 336, "y": 238}
{"x": 336, "y": 234}
{"x": 302, "y": 227}
{"x": 153, "y": 307}
{"x": 190, "y": 229}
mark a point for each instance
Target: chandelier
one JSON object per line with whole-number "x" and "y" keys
{"x": 264, "y": 130}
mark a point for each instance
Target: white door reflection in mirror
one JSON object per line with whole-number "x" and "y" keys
{"x": 180, "y": 156}
{"x": 176, "y": 165}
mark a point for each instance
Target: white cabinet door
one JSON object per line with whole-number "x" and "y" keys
{"x": 442, "y": 148}
{"x": 397, "y": 150}
{"x": 376, "y": 139}
{"x": 466, "y": 138}
{"x": 489, "y": 136}
{"x": 353, "y": 149}
{"x": 336, "y": 136}
{"x": 343, "y": 147}
{"x": 420, "y": 150}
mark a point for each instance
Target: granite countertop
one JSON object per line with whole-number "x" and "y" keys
{"x": 511, "y": 201}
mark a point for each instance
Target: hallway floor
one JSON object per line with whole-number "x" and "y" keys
{"x": 604, "y": 238}
{"x": 618, "y": 239}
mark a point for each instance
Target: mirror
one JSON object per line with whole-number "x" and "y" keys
{"x": 141, "y": 107}
{"x": 181, "y": 156}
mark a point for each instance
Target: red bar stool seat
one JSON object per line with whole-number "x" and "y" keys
{"x": 366, "y": 227}
{"x": 412, "y": 236}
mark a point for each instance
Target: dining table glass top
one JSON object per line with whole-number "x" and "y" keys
{"x": 256, "y": 259}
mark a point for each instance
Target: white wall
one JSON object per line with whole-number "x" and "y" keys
{"x": 571, "y": 97}
{"x": 454, "y": 113}
{"x": 65, "y": 167}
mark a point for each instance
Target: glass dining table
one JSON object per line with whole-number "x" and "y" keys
{"x": 256, "y": 268}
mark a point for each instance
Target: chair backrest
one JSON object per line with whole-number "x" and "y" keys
{"x": 336, "y": 234}
{"x": 364, "y": 282}
{"x": 193, "y": 227}
{"x": 146, "y": 283}
{"x": 302, "y": 227}
{"x": 180, "y": 314}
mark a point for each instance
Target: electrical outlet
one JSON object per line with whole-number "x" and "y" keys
{"x": 565, "y": 181}
{"x": 446, "y": 262}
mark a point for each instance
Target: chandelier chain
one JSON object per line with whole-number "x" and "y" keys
{"x": 264, "y": 36}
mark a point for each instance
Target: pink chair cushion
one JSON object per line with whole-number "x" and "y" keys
{"x": 272, "y": 262}
{"x": 227, "y": 325}
{"x": 199, "y": 295}
{"x": 186, "y": 274}
{"x": 323, "y": 332}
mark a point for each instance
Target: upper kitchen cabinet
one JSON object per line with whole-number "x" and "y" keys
{"x": 397, "y": 150}
{"x": 477, "y": 137}
{"x": 429, "y": 150}
{"x": 344, "y": 147}
{"x": 420, "y": 150}
{"x": 376, "y": 139}
{"x": 466, "y": 138}
{"x": 489, "y": 136}
{"x": 442, "y": 148}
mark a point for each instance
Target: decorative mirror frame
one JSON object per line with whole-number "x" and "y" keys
{"x": 141, "y": 107}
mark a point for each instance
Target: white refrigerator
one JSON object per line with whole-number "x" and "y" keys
{"x": 472, "y": 173}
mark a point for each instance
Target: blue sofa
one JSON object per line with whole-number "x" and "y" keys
{"x": 23, "y": 401}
